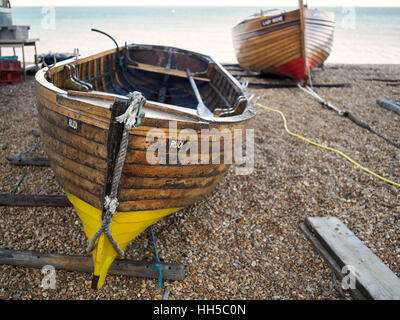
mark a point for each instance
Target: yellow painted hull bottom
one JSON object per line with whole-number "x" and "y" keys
{"x": 125, "y": 227}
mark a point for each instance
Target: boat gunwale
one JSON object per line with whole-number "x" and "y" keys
{"x": 252, "y": 19}
{"x": 331, "y": 19}
{"x": 259, "y": 18}
{"x": 249, "y": 112}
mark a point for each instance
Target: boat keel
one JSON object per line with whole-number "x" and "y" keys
{"x": 125, "y": 227}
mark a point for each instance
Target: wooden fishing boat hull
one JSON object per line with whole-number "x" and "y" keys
{"x": 289, "y": 44}
{"x": 75, "y": 125}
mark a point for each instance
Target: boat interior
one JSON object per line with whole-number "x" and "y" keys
{"x": 164, "y": 75}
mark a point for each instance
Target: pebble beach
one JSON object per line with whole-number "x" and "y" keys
{"x": 242, "y": 241}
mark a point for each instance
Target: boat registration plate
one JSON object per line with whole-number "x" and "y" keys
{"x": 74, "y": 124}
{"x": 176, "y": 144}
{"x": 267, "y": 22}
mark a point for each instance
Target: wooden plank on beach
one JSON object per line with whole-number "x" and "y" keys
{"x": 33, "y": 200}
{"x": 29, "y": 161}
{"x": 239, "y": 72}
{"x": 143, "y": 269}
{"x": 340, "y": 247}
{"x": 383, "y": 80}
{"x": 337, "y": 270}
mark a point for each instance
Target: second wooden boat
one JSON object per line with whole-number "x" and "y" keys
{"x": 182, "y": 93}
{"x": 287, "y": 43}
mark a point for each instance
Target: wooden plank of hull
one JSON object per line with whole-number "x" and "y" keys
{"x": 267, "y": 42}
{"x": 74, "y": 176}
{"x": 274, "y": 59}
{"x": 263, "y": 50}
{"x": 74, "y": 114}
{"x": 319, "y": 31}
{"x": 138, "y": 142}
{"x": 71, "y": 152}
{"x": 277, "y": 48}
{"x": 163, "y": 194}
{"x": 68, "y": 142}
{"x": 82, "y": 146}
{"x": 318, "y": 57}
{"x": 277, "y": 59}
{"x": 72, "y": 140}
{"x": 182, "y": 182}
{"x": 266, "y": 31}
{"x": 75, "y": 167}
{"x": 316, "y": 45}
{"x": 267, "y": 53}
{"x": 319, "y": 36}
{"x": 79, "y": 163}
{"x": 174, "y": 171}
{"x": 167, "y": 183}
{"x": 156, "y": 204}
{"x": 99, "y": 115}
{"x": 78, "y": 157}
{"x": 249, "y": 27}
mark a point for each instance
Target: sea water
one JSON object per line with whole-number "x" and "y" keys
{"x": 362, "y": 36}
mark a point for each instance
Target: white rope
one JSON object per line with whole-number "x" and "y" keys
{"x": 346, "y": 114}
{"x": 312, "y": 93}
{"x": 131, "y": 118}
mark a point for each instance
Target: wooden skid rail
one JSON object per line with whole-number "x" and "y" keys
{"x": 142, "y": 269}
{"x": 339, "y": 247}
{"x": 389, "y": 105}
{"x": 29, "y": 161}
{"x": 282, "y": 86}
{"x": 32, "y": 200}
{"x": 238, "y": 72}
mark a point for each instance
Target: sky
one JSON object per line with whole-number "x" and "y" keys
{"x": 222, "y": 3}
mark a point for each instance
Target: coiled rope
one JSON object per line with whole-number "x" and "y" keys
{"x": 131, "y": 119}
{"x": 327, "y": 148}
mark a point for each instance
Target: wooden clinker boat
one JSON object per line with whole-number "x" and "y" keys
{"x": 289, "y": 43}
{"x": 77, "y": 101}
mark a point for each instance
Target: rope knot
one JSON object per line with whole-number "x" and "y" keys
{"x": 132, "y": 116}
{"x": 111, "y": 205}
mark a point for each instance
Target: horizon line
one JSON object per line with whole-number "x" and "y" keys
{"x": 199, "y": 6}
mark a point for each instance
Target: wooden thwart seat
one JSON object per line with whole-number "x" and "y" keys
{"x": 172, "y": 72}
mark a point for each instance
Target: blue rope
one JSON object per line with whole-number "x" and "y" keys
{"x": 19, "y": 158}
{"x": 19, "y": 182}
{"x": 29, "y": 150}
{"x": 157, "y": 266}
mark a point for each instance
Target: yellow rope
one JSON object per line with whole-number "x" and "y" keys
{"x": 327, "y": 148}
